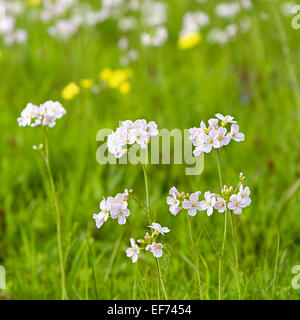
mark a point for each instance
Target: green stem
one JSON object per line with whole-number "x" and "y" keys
{"x": 137, "y": 269}
{"x": 237, "y": 268}
{"x": 160, "y": 280}
{"x": 195, "y": 258}
{"x": 57, "y": 218}
{"x": 225, "y": 228}
{"x": 147, "y": 192}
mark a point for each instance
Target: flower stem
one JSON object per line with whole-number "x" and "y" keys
{"x": 195, "y": 258}
{"x": 160, "y": 280}
{"x": 137, "y": 269}
{"x": 225, "y": 228}
{"x": 237, "y": 268}
{"x": 57, "y": 218}
{"x": 147, "y": 192}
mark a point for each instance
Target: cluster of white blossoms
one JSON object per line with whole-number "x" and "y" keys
{"x": 149, "y": 243}
{"x": 233, "y": 199}
{"x": 156, "y": 38}
{"x": 215, "y": 135}
{"x": 9, "y": 10}
{"x": 44, "y": 115}
{"x": 114, "y": 207}
{"x": 129, "y": 133}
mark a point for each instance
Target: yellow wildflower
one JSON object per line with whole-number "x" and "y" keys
{"x": 125, "y": 87}
{"x": 70, "y": 91}
{"x": 189, "y": 40}
{"x": 34, "y": 3}
{"x": 105, "y": 74}
{"x": 86, "y": 83}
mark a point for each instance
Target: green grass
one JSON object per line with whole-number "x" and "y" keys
{"x": 177, "y": 90}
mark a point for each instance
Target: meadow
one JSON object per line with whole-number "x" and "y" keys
{"x": 253, "y": 76}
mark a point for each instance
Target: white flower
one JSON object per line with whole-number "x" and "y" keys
{"x": 220, "y": 205}
{"x": 214, "y": 136}
{"x": 227, "y": 10}
{"x": 221, "y": 139}
{"x": 173, "y": 202}
{"x": 155, "y": 39}
{"x": 209, "y": 203}
{"x": 244, "y": 195}
{"x": 156, "y": 249}
{"x": 157, "y": 227}
{"x": 133, "y": 251}
{"x": 44, "y": 115}
{"x": 226, "y": 119}
{"x": 235, "y": 204}
{"x": 235, "y": 134}
{"x": 120, "y": 211}
{"x": 129, "y": 133}
{"x": 193, "y": 205}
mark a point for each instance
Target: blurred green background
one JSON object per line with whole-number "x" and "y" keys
{"x": 253, "y": 77}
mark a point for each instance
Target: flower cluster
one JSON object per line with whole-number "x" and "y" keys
{"x": 129, "y": 133}
{"x": 44, "y": 115}
{"x": 117, "y": 79}
{"x": 149, "y": 243}
{"x": 233, "y": 199}
{"x": 114, "y": 207}
{"x": 214, "y": 135}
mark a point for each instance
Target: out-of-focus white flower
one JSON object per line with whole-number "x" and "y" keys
{"x": 127, "y": 23}
{"x": 194, "y": 22}
{"x": 65, "y": 27}
{"x": 54, "y": 9}
{"x": 157, "y": 227}
{"x": 154, "y": 13}
{"x": 156, "y": 38}
{"x": 246, "y": 4}
{"x": 287, "y": 8}
{"x": 216, "y": 35}
{"x": 123, "y": 43}
{"x": 227, "y": 10}
{"x": 133, "y": 251}
{"x": 44, "y": 115}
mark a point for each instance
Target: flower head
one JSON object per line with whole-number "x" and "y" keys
{"x": 209, "y": 203}
{"x": 44, "y": 115}
{"x": 157, "y": 227}
{"x": 192, "y": 204}
{"x": 129, "y": 133}
{"x": 133, "y": 251}
{"x": 156, "y": 249}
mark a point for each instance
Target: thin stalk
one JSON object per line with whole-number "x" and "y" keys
{"x": 276, "y": 265}
{"x": 147, "y": 191}
{"x": 137, "y": 269}
{"x": 237, "y": 267}
{"x": 58, "y": 218}
{"x": 225, "y": 228}
{"x": 195, "y": 258}
{"x": 160, "y": 280}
